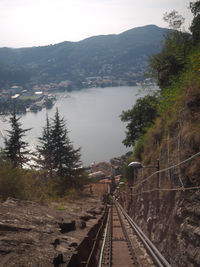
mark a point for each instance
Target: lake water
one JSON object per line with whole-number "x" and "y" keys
{"x": 92, "y": 117}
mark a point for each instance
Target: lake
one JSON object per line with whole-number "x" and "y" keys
{"x": 92, "y": 118}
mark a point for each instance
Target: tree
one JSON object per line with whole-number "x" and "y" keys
{"x": 15, "y": 148}
{"x": 139, "y": 118}
{"x": 195, "y": 26}
{"x": 45, "y": 149}
{"x": 56, "y": 152}
{"x": 174, "y": 19}
{"x": 195, "y": 7}
{"x": 173, "y": 56}
{"x": 66, "y": 158}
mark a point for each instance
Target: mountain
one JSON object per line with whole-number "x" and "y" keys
{"x": 122, "y": 56}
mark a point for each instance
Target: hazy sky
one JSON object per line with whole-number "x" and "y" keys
{"x": 43, "y": 22}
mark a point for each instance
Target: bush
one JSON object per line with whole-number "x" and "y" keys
{"x": 11, "y": 183}
{"x": 139, "y": 148}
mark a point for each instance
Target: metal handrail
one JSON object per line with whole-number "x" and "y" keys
{"x": 104, "y": 239}
{"x": 89, "y": 260}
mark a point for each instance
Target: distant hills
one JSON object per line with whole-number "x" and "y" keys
{"x": 121, "y": 57}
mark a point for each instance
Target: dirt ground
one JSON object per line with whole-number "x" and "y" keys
{"x": 42, "y": 235}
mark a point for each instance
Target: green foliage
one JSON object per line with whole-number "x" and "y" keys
{"x": 139, "y": 118}
{"x": 20, "y": 105}
{"x": 11, "y": 182}
{"x": 195, "y": 26}
{"x": 139, "y": 148}
{"x": 60, "y": 207}
{"x": 48, "y": 103}
{"x": 171, "y": 60}
{"x": 15, "y": 148}
{"x": 127, "y": 171}
{"x": 177, "y": 69}
{"x": 76, "y": 210}
{"x": 177, "y": 46}
{"x": 22, "y": 184}
{"x": 58, "y": 159}
{"x": 12, "y": 72}
{"x": 195, "y": 29}
{"x": 177, "y": 62}
{"x": 45, "y": 149}
{"x": 195, "y": 7}
{"x": 58, "y": 156}
{"x": 174, "y": 19}
{"x": 30, "y": 184}
{"x": 170, "y": 99}
{"x": 66, "y": 159}
{"x": 74, "y": 61}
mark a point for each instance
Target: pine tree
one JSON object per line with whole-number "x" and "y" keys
{"x": 15, "y": 148}
{"x": 56, "y": 152}
{"x": 66, "y": 158}
{"x": 45, "y": 149}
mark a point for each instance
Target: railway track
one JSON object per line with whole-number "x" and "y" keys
{"x": 124, "y": 244}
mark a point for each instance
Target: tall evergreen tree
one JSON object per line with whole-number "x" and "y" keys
{"x": 45, "y": 148}
{"x": 66, "y": 158}
{"x": 56, "y": 152}
{"x": 15, "y": 148}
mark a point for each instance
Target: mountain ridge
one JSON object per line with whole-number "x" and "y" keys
{"x": 102, "y": 55}
{"x": 150, "y": 26}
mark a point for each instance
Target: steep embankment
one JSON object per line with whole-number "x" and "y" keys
{"x": 170, "y": 216}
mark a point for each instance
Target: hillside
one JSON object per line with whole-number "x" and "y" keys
{"x": 123, "y": 56}
{"x": 168, "y": 209}
{"x": 163, "y": 195}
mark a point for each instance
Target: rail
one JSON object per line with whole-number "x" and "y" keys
{"x": 110, "y": 242}
{"x": 127, "y": 237}
{"x": 152, "y": 250}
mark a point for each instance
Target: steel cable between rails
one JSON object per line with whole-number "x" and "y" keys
{"x": 167, "y": 169}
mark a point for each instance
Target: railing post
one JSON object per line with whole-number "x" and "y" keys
{"x": 158, "y": 185}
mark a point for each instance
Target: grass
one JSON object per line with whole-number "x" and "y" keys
{"x": 26, "y": 98}
{"x": 60, "y": 207}
{"x": 76, "y": 210}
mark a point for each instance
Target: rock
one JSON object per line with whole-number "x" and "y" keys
{"x": 58, "y": 260}
{"x": 87, "y": 217}
{"x": 73, "y": 244}
{"x": 95, "y": 211}
{"x": 56, "y": 242}
{"x": 81, "y": 224}
{"x": 67, "y": 227}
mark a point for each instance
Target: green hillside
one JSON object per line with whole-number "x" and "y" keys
{"x": 122, "y": 56}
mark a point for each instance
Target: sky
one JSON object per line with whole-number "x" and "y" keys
{"x": 25, "y": 23}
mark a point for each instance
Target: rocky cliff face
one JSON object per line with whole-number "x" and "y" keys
{"x": 171, "y": 216}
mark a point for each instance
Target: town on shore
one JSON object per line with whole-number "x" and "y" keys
{"x": 33, "y": 97}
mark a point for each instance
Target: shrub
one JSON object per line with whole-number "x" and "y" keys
{"x": 139, "y": 148}
{"x": 11, "y": 183}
